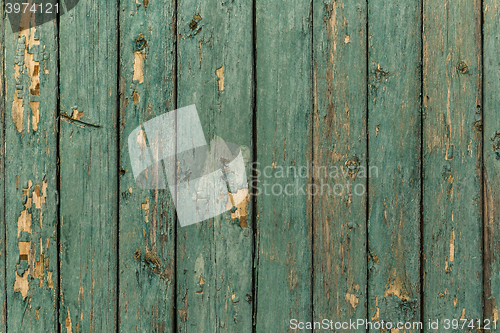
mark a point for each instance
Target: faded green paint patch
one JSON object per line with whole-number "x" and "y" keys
{"x": 147, "y": 217}
{"x": 88, "y": 167}
{"x": 284, "y": 130}
{"x": 452, "y": 148}
{"x": 215, "y": 72}
{"x": 491, "y": 156}
{"x": 340, "y": 270}
{"x": 394, "y": 131}
{"x": 30, "y": 175}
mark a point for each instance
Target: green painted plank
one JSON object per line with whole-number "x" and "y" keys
{"x": 30, "y": 176}
{"x": 340, "y": 271}
{"x": 491, "y": 153}
{"x": 394, "y": 150}
{"x": 3, "y": 258}
{"x": 232, "y": 120}
{"x": 284, "y": 142}
{"x": 214, "y": 258}
{"x": 147, "y": 217}
{"x": 452, "y": 244}
{"x": 88, "y": 166}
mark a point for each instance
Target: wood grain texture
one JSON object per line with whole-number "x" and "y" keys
{"x": 30, "y": 176}
{"x": 214, "y": 257}
{"x": 491, "y": 168}
{"x": 340, "y": 144}
{"x": 452, "y": 148}
{"x": 147, "y": 217}
{"x": 284, "y": 139}
{"x": 321, "y": 95}
{"x": 88, "y": 167}
{"x": 394, "y": 159}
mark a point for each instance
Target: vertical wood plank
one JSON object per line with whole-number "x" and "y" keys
{"x": 3, "y": 243}
{"x": 394, "y": 159}
{"x": 88, "y": 166}
{"x": 231, "y": 119}
{"x": 30, "y": 175}
{"x": 147, "y": 217}
{"x": 214, "y": 258}
{"x": 284, "y": 128}
{"x": 491, "y": 153}
{"x": 340, "y": 271}
{"x": 452, "y": 141}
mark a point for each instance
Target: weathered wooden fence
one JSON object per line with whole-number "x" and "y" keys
{"x": 401, "y": 97}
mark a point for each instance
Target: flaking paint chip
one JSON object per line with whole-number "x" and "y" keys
{"x": 137, "y": 98}
{"x": 67, "y": 323}
{"x": 452, "y": 246}
{"x": 76, "y": 114}
{"x": 352, "y": 299}
{"x": 138, "y": 66}
{"x": 220, "y": 76}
